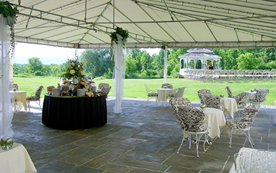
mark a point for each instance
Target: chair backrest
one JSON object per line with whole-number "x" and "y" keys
{"x": 242, "y": 99}
{"x": 212, "y": 101}
{"x": 261, "y": 94}
{"x": 38, "y": 92}
{"x": 192, "y": 119}
{"x": 177, "y": 102}
{"x": 229, "y": 92}
{"x": 105, "y": 88}
{"x": 179, "y": 93}
{"x": 147, "y": 88}
{"x": 13, "y": 85}
{"x": 167, "y": 85}
{"x": 201, "y": 93}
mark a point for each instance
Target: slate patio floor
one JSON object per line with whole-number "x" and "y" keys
{"x": 138, "y": 140}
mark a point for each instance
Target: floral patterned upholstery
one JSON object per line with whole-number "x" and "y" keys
{"x": 105, "y": 88}
{"x": 192, "y": 119}
{"x": 167, "y": 85}
{"x": 177, "y": 102}
{"x": 192, "y": 123}
{"x": 229, "y": 92}
{"x": 260, "y": 95}
{"x": 242, "y": 99}
{"x": 243, "y": 124}
{"x": 36, "y": 97}
{"x": 201, "y": 93}
{"x": 211, "y": 101}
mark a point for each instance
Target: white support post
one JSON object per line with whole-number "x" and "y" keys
{"x": 165, "y": 64}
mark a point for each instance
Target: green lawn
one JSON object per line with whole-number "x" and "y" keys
{"x": 135, "y": 87}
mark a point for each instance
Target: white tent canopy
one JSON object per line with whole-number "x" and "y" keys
{"x": 151, "y": 23}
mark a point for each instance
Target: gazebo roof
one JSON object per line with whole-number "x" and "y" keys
{"x": 196, "y": 53}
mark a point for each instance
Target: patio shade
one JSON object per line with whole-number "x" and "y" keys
{"x": 150, "y": 23}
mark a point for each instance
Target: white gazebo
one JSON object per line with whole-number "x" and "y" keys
{"x": 195, "y": 54}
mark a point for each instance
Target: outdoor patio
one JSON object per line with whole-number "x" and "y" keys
{"x": 137, "y": 140}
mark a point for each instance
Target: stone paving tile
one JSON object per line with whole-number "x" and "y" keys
{"x": 140, "y": 139}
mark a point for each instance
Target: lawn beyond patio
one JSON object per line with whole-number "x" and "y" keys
{"x": 135, "y": 87}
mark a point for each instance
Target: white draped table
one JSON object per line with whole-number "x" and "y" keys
{"x": 16, "y": 160}
{"x": 229, "y": 106}
{"x": 20, "y": 98}
{"x": 214, "y": 119}
{"x": 163, "y": 94}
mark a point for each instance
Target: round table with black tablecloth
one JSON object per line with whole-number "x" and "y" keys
{"x": 69, "y": 113}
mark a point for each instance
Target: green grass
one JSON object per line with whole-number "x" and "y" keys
{"x": 135, "y": 87}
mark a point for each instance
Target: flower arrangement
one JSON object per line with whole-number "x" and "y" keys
{"x": 120, "y": 31}
{"x": 74, "y": 69}
{"x": 9, "y": 12}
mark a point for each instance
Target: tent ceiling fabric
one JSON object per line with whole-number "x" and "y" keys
{"x": 150, "y": 23}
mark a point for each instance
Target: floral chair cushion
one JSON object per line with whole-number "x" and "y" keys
{"x": 229, "y": 92}
{"x": 211, "y": 101}
{"x": 201, "y": 93}
{"x": 37, "y": 94}
{"x": 260, "y": 95}
{"x": 167, "y": 85}
{"x": 105, "y": 88}
{"x": 242, "y": 99}
{"x": 192, "y": 119}
{"x": 177, "y": 102}
{"x": 152, "y": 94}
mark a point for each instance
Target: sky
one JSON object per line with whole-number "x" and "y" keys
{"x": 50, "y": 54}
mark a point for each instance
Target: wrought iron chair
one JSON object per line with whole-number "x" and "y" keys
{"x": 192, "y": 122}
{"x": 167, "y": 85}
{"x": 151, "y": 94}
{"x": 260, "y": 97}
{"x": 105, "y": 88}
{"x": 242, "y": 100}
{"x": 243, "y": 124}
{"x": 179, "y": 93}
{"x": 212, "y": 101}
{"x": 35, "y": 98}
{"x": 229, "y": 92}
{"x": 201, "y": 93}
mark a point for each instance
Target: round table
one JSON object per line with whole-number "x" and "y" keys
{"x": 69, "y": 113}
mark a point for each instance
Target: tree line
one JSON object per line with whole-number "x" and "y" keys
{"x": 140, "y": 64}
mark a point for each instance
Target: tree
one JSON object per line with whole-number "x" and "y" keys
{"x": 247, "y": 61}
{"x": 97, "y": 61}
{"x": 34, "y": 66}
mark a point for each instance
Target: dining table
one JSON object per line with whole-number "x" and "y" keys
{"x": 215, "y": 120}
{"x": 16, "y": 160}
{"x": 163, "y": 94}
{"x": 20, "y": 99}
{"x": 229, "y": 106}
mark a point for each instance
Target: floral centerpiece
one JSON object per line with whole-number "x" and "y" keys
{"x": 74, "y": 69}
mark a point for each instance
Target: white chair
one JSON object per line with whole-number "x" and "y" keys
{"x": 192, "y": 122}
{"x": 179, "y": 93}
{"x": 35, "y": 98}
{"x": 151, "y": 94}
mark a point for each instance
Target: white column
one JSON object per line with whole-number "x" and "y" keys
{"x": 119, "y": 71}
{"x": 165, "y": 64}
{"x": 6, "y": 113}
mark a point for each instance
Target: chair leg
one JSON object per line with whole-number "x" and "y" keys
{"x": 230, "y": 136}
{"x": 248, "y": 136}
{"x": 181, "y": 143}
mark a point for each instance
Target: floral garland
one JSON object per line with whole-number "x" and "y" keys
{"x": 9, "y": 11}
{"x": 74, "y": 69}
{"x": 114, "y": 38}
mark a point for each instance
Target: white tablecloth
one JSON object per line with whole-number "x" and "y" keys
{"x": 20, "y": 97}
{"x": 163, "y": 94}
{"x": 229, "y": 106}
{"x": 16, "y": 160}
{"x": 214, "y": 120}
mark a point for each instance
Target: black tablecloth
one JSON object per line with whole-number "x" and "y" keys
{"x": 74, "y": 112}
